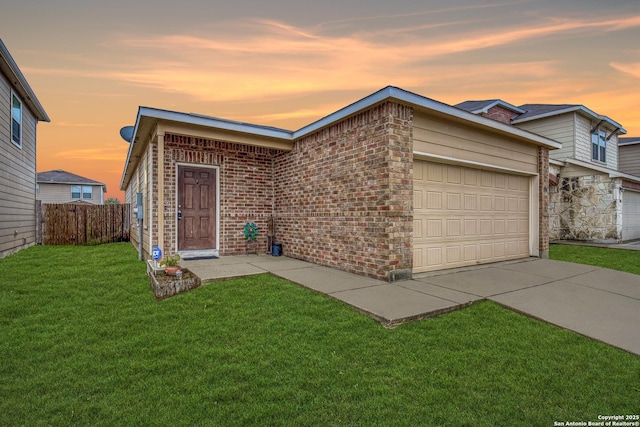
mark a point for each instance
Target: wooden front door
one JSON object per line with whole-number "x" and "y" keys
{"x": 196, "y": 208}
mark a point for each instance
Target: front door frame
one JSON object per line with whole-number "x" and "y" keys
{"x": 177, "y": 198}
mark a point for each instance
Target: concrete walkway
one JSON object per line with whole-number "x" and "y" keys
{"x": 599, "y": 303}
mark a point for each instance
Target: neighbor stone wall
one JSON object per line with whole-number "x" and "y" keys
{"x": 543, "y": 201}
{"x": 584, "y": 208}
{"x": 245, "y": 187}
{"x": 345, "y": 193}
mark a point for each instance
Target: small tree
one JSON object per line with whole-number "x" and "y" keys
{"x": 112, "y": 201}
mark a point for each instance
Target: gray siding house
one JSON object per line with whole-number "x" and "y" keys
{"x": 20, "y": 112}
{"x": 58, "y": 186}
{"x": 629, "y": 155}
{"x": 594, "y": 194}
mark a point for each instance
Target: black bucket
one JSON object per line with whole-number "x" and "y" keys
{"x": 276, "y": 249}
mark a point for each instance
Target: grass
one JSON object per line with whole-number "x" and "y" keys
{"x": 616, "y": 259}
{"x": 83, "y": 342}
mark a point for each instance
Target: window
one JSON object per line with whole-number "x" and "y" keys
{"x": 86, "y": 191}
{"x": 599, "y": 145}
{"x": 16, "y": 120}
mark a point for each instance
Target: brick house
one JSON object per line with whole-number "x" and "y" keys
{"x": 592, "y": 194}
{"x": 390, "y": 185}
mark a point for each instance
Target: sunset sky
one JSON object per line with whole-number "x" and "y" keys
{"x": 286, "y": 63}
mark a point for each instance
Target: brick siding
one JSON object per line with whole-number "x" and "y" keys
{"x": 345, "y": 194}
{"x": 245, "y": 182}
{"x": 500, "y": 114}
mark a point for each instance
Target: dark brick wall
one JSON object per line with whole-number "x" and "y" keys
{"x": 245, "y": 181}
{"x": 344, "y": 194}
{"x": 500, "y": 114}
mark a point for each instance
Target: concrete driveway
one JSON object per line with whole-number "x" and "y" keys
{"x": 599, "y": 303}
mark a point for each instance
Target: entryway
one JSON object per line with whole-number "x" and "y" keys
{"x": 197, "y": 208}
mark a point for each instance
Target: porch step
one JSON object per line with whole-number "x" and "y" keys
{"x": 201, "y": 254}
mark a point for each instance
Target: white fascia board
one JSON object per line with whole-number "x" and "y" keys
{"x": 629, "y": 143}
{"x": 201, "y": 120}
{"x": 214, "y": 122}
{"x": 612, "y": 173}
{"x": 391, "y": 92}
{"x": 131, "y": 144}
{"x": 92, "y": 184}
{"x": 502, "y": 103}
{"x": 580, "y": 108}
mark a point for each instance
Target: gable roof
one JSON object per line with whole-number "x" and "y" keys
{"x": 539, "y": 111}
{"x": 59, "y": 176}
{"x": 147, "y": 117}
{"x": 528, "y": 112}
{"x": 9, "y": 68}
{"x": 477, "y": 107}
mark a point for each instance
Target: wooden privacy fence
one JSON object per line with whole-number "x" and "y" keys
{"x": 79, "y": 224}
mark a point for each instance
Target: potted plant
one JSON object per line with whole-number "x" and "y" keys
{"x": 170, "y": 264}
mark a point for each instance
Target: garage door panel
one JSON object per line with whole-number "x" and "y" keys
{"x": 470, "y": 227}
{"x": 433, "y": 256}
{"x": 454, "y": 175}
{"x": 470, "y": 177}
{"x": 434, "y": 200}
{"x": 469, "y": 216}
{"x": 470, "y": 202}
{"x": 418, "y": 197}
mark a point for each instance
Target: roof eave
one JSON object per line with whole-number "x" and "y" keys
{"x": 401, "y": 95}
{"x": 18, "y": 80}
{"x": 612, "y": 173}
{"x": 384, "y": 94}
{"x": 92, "y": 184}
{"x": 196, "y": 120}
{"x": 502, "y": 104}
{"x": 574, "y": 108}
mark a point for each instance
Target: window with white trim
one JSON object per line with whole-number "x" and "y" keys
{"x": 599, "y": 145}
{"x": 87, "y": 191}
{"x": 16, "y": 120}
{"x": 84, "y": 191}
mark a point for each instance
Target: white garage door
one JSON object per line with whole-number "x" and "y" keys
{"x": 465, "y": 216}
{"x": 630, "y": 215}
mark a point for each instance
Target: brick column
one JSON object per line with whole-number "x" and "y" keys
{"x": 543, "y": 201}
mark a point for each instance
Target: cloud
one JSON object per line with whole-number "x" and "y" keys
{"x": 77, "y": 125}
{"x": 632, "y": 69}
{"x": 93, "y": 154}
{"x": 262, "y": 59}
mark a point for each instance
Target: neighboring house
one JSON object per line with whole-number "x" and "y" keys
{"x": 391, "y": 185}
{"x": 629, "y": 155}
{"x": 59, "y": 186}
{"x": 591, "y": 196}
{"x": 20, "y": 112}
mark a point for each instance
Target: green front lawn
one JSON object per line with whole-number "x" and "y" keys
{"x": 616, "y": 259}
{"x": 83, "y": 342}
